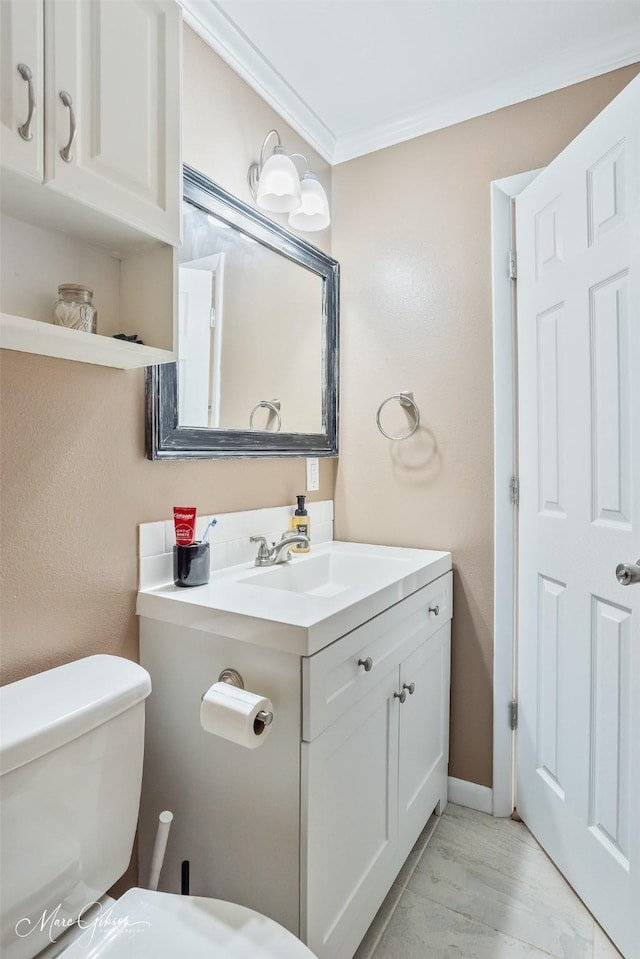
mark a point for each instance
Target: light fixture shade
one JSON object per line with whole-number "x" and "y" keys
{"x": 279, "y": 184}
{"x": 313, "y": 213}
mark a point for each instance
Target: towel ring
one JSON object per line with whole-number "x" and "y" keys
{"x": 273, "y": 406}
{"x": 406, "y": 400}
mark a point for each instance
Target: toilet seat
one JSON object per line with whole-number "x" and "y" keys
{"x": 158, "y": 925}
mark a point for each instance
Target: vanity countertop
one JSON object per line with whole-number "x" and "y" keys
{"x": 303, "y": 605}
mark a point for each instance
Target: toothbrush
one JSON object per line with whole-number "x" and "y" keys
{"x": 205, "y": 535}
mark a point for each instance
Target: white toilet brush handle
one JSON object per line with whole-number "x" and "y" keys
{"x": 159, "y": 847}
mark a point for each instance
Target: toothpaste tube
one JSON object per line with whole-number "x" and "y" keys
{"x": 184, "y": 520}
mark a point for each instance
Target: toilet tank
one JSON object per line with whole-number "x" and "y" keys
{"x": 71, "y": 750}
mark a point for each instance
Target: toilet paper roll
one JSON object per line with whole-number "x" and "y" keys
{"x": 232, "y": 713}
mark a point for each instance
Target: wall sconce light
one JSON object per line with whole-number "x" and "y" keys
{"x": 276, "y": 186}
{"x": 313, "y": 212}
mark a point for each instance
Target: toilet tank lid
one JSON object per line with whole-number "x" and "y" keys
{"x": 43, "y": 712}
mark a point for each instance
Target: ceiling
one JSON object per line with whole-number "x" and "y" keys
{"x": 352, "y": 76}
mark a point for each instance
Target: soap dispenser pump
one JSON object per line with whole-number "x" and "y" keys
{"x": 300, "y": 523}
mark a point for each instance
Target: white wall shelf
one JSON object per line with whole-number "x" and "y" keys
{"x": 134, "y": 294}
{"x": 33, "y": 336}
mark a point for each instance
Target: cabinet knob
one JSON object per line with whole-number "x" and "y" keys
{"x": 411, "y": 687}
{"x": 435, "y": 610}
{"x": 401, "y": 696}
{"x": 367, "y": 663}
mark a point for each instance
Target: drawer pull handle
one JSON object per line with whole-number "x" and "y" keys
{"x": 411, "y": 687}
{"x": 401, "y": 696}
{"x": 65, "y": 152}
{"x": 435, "y": 610}
{"x": 27, "y": 76}
{"x": 367, "y": 663}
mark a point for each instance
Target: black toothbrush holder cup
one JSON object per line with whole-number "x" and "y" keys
{"x": 191, "y": 564}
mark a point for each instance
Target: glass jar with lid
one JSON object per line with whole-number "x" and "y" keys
{"x": 75, "y": 308}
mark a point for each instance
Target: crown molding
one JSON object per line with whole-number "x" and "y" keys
{"x": 208, "y": 20}
{"x": 212, "y": 25}
{"x": 617, "y": 52}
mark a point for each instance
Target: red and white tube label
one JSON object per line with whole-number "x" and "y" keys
{"x": 184, "y": 521}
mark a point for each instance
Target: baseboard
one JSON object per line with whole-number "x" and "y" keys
{"x": 464, "y": 793}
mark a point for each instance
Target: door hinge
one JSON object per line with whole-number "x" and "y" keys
{"x": 513, "y": 265}
{"x": 514, "y": 486}
{"x": 513, "y": 714}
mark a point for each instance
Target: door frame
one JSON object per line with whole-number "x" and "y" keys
{"x": 214, "y": 264}
{"x": 505, "y": 466}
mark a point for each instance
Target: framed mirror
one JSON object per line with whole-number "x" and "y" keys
{"x": 257, "y": 370}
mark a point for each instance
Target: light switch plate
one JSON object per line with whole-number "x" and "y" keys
{"x": 313, "y": 474}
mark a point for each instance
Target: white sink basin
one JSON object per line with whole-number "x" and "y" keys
{"x": 328, "y": 574}
{"x": 303, "y": 605}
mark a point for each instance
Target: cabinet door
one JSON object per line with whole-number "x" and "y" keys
{"x": 349, "y": 822}
{"x": 22, "y": 86}
{"x": 118, "y": 65}
{"x": 424, "y": 737}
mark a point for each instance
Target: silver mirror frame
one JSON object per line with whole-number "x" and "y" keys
{"x": 165, "y": 438}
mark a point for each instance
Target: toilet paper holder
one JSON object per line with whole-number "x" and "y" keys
{"x": 233, "y": 677}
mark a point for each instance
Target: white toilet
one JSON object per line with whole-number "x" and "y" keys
{"x": 71, "y": 753}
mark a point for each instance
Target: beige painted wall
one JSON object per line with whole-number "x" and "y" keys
{"x": 411, "y": 229}
{"x": 75, "y": 482}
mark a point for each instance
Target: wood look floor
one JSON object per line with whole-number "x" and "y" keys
{"x": 475, "y": 887}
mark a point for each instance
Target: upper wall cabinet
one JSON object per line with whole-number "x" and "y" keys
{"x": 107, "y": 81}
{"x": 90, "y": 174}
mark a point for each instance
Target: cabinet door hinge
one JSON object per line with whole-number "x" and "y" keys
{"x": 515, "y": 490}
{"x": 513, "y": 265}
{"x": 513, "y": 714}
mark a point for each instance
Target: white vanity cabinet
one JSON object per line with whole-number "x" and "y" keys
{"x": 107, "y": 81}
{"x": 312, "y": 827}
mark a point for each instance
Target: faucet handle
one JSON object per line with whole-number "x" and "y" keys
{"x": 263, "y": 550}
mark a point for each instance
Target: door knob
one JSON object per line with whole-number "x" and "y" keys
{"x": 401, "y": 696}
{"x": 411, "y": 687}
{"x": 628, "y": 573}
{"x": 366, "y": 663}
{"x": 435, "y": 610}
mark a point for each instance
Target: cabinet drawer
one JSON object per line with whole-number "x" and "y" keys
{"x": 333, "y": 680}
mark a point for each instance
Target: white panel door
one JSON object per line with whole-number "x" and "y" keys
{"x": 194, "y": 346}
{"x": 349, "y": 837}
{"x": 424, "y": 737}
{"x": 578, "y": 759}
{"x": 117, "y": 64}
{"x": 22, "y": 87}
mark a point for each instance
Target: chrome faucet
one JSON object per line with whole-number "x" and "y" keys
{"x": 278, "y": 552}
